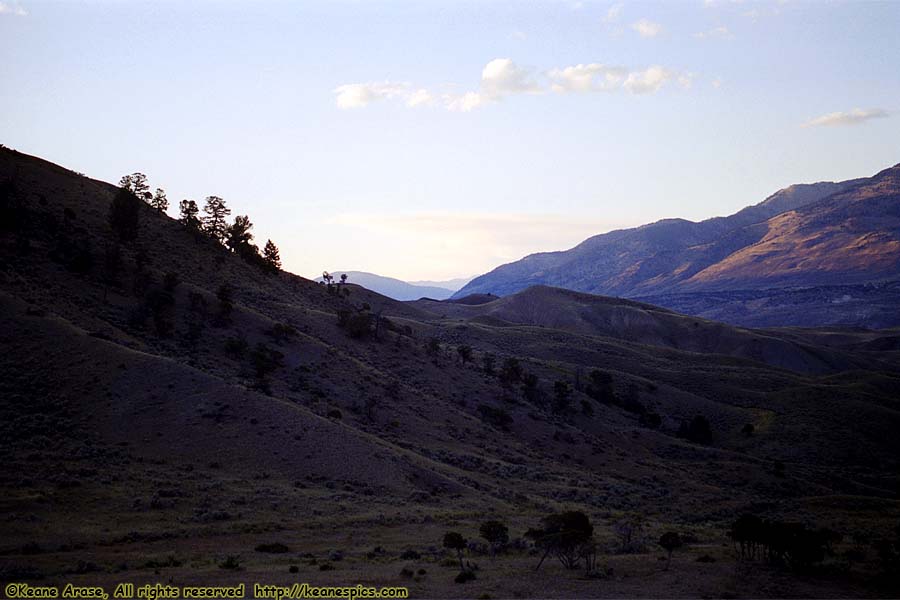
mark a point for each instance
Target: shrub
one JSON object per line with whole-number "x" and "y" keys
{"x": 630, "y": 529}
{"x": 465, "y": 353}
{"x": 265, "y": 360}
{"x": 487, "y": 363}
{"x": 410, "y": 555}
{"x": 124, "y": 215}
{"x": 568, "y": 536}
{"x": 697, "y": 431}
{"x": 231, "y": 563}
{"x": 281, "y": 332}
{"x": 495, "y": 417}
{"x": 455, "y": 541}
{"x": 465, "y": 576}
{"x": 651, "y": 420}
{"x": 496, "y": 534}
{"x": 600, "y": 386}
{"x": 670, "y": 541}
{"x": 236, "y": 346}
{"x": 358, "y": 324}
{"x": 562, "y": 392}
{"x": 511, "y": 371}
{"x": 792, "y": 545}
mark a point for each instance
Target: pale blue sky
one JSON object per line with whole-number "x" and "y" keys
{"x": 299, "y": 114}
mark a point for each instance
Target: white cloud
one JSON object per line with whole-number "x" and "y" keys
{"x": 519, "y": 35}
{"x": 721, "y": 32}
{"x": 647, "y": 28}
{"x": 359, "y": 95}
{"x": 851, "y": 117}
{"x": 502, "y": 77}
{"x": 613, "y": 13}
{"x": 586, "y": 78}
{"x": 466, "y": 102}
{"x": 648, "y": 81}
{"x": 12, "y": 8}
{"x": 717, "y": 82}
{"x": 419, "y": 97}
{"x": 686, "y": 80}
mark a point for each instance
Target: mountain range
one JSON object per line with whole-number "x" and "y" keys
{"x": 810, "y": 254}
{"x": 402, "y": 290}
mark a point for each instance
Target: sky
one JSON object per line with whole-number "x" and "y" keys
{"x": 432, "y": 140}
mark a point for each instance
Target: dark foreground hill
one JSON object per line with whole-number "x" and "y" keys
{"x": 792, "y": 254}
{"x": 171, "y": 412}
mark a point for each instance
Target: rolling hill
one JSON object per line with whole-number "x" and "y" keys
{"x": 172, "y": 412}
{"x": 802, "y": 237}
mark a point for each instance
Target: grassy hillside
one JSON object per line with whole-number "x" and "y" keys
{"x": 153, "y": 425}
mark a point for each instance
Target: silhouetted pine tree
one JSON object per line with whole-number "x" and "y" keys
{"x": 124, "y": 214}
{"x": 271, "y": 256}
{"x": 159, "y": 201}
{"x": 214, "y": 223}
{"x": 188, "y": 214}
{"x": 238, "y": 236}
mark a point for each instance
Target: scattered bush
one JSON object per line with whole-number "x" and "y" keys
{"x": 495, "y": 417}
{"x": 496, "y": 534}
{"x": 697, "y": 431}
{"x": 670, "y": 541}
{"x": 568, "y": 536}
{"x": 455, "y": 541}
{"x": 779, "y": 543}
{"x": 651, "y": 420}
{"x": 358, "y": 324}
{"x": 465, "y": 576}
{"x": 231, "y": 563}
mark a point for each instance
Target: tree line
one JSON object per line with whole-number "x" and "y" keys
{"x": 124, "y": 218}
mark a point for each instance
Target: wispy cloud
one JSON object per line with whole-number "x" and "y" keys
{"x": 850, "y": 117}
{"x": 12, "y": 8}
{"x": 502, "y": 77}
{"x": 613, "y": 13}
{"x": 358, "y": 95}
{"x": 647, "y": 28}
{"x": 722, "y": 32}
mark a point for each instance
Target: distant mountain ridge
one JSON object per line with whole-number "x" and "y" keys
{"x": 398, "y": 289}
{"x": 804, "y": 235}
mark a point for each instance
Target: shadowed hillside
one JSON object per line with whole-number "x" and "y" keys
{"x": 168, "y": 408}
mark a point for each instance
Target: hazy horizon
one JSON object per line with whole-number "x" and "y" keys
{"x": 429, "y": 141}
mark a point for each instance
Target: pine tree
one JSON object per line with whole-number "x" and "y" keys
{"x": 124, "y": 214}
{"x": 136, "y": 183}
{"x": 238, "y": 236}
{"x": 189, "y": 212}
{"x": 214, "y": 223}
{"x": 271, "y": 256}
{"x": 160, "y": 202}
